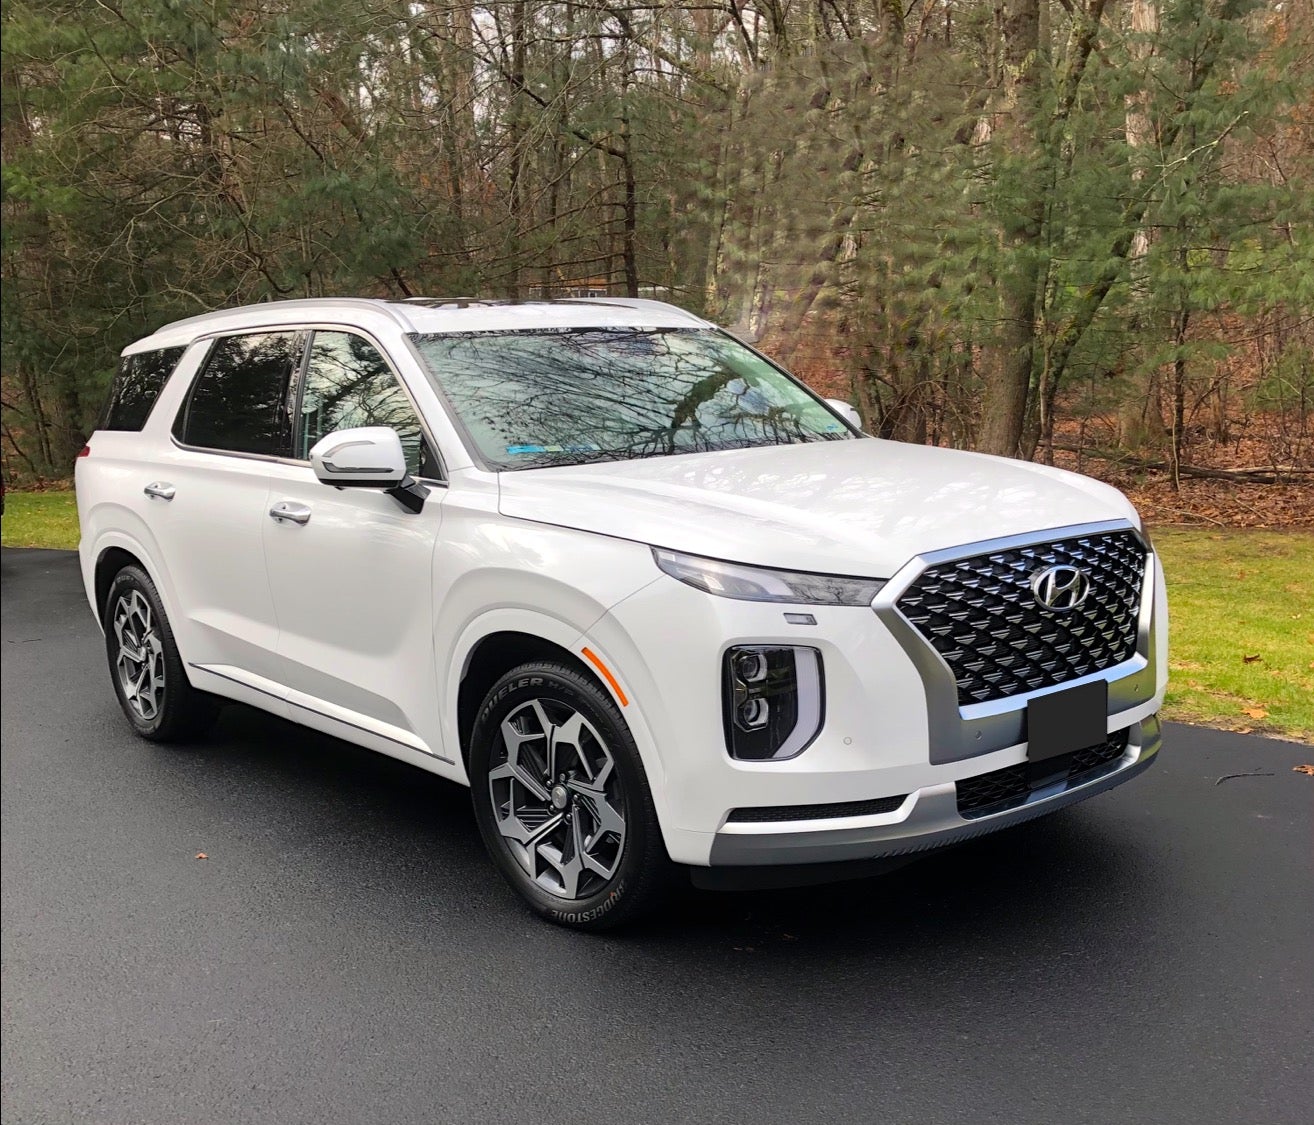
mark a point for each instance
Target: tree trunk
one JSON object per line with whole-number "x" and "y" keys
{"x": 630, "y": 252}
{"x": 1008, "y": 386}
{"x": 516, "y": 130}
{"x": 1139, "y": 127}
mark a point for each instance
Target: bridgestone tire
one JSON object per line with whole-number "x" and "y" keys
{"x": 642, "y": 870}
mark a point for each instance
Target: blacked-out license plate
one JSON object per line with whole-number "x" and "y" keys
{"x": 1067, "y": 720}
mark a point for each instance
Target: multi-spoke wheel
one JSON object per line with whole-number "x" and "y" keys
{"x": 146, "y": 669}
{"x": 140, "y": 663}
{"x": 562, "y": 800}
{"x": 557, "y": 798}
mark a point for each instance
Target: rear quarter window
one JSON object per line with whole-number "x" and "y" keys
{"x": 137, "y": 385}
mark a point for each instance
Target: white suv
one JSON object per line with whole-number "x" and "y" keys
{"x": 651, "y": 598}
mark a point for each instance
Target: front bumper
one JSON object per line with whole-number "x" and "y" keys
{"x": 928, "y": 818}
{"x": 893, "y": 728}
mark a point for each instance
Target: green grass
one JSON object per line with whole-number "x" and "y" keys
{"x": 40, "y": 519}
{"x": 1233, "y": 595}
{"x": 1241, "y": 649}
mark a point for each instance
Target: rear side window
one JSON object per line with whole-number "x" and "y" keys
{"x": 239, "y": 400}
{"x": 138, "y": 384}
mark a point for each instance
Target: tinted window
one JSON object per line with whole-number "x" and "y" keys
{"x": 531, "y": 399}
{"x": 238, "y": 401}
{"x": 138, "y": 384}
{"x": 348, "y": 384}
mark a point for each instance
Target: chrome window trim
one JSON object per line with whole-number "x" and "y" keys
{"x": 956, "y": 732}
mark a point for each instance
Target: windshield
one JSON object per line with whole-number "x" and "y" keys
{"x": 567, "y": 397}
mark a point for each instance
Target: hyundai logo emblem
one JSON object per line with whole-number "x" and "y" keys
{"x": 1060, "y": 588}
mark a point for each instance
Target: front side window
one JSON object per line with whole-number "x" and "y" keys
{"x": 238, "y": 402}
{"x": 138, "y": 384}
{"x": 349, "y": 384}
{"x": 540, "y": 398}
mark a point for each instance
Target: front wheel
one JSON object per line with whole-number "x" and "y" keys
{"x": 145, "y": 666}
{"x": 562, "y": 800}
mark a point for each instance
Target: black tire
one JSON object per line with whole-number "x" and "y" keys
{"x": 642, "y": 870}
{"x": 176, "y": 711}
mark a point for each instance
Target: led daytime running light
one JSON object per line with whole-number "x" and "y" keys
{"x": 766, "y": 584}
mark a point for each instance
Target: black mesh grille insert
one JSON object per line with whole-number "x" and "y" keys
{"x": 817, "y": 812}
{"x": 1095, "y": 758}
{"x": 1004, "y": 789}
{"x": 994, "y": 791}
{"x": 980, "y": 615}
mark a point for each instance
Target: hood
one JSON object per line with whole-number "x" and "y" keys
{"x": 862, "y": 507}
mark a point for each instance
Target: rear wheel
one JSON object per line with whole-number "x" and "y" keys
{"x": 562, "y": 800}
{"x": 145, "y": 666}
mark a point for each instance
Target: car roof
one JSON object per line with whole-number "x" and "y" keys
{"x": 425, "y": 315}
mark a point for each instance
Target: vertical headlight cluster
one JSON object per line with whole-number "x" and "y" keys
{"x": 774, "y": 700}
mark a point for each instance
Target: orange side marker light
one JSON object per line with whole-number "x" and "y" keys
{"x": 592, "y": 658}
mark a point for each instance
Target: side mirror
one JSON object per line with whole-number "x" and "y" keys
{"x": 368, "y": 457}
{"x": 845, "y": 411}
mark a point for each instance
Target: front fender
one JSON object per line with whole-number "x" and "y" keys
{"x": 564, "y": 634}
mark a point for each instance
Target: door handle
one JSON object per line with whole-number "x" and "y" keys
{"x": 160, "y": 490}
{"x": 293, "y": 513}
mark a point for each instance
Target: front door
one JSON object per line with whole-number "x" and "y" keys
{"x": 353, "y": 580}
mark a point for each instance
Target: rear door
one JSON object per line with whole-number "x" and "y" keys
{"x": 209, "y": 504}
{"x": 352, "y": 579}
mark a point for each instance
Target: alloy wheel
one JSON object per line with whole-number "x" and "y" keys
{"x": 557, "y": 798}
{"x": 139, "y": 662}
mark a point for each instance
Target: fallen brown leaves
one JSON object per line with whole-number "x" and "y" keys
{"x": 1217, "y": 503}
{"x": 1254, "y": 442}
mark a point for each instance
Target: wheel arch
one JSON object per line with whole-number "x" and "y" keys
{"x": 108, "y": 564}
{"x": 492, "y": 656}
{"x": 515, "y": 636}
{"x": 108, "y": 544}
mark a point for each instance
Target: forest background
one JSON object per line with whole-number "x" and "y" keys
{"x": 1072, "y": 230}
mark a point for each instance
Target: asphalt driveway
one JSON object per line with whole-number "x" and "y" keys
{"x": 347, "y": 954}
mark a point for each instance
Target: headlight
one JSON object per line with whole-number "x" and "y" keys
{"x": 774, "y": 701}
{"x": 763, "y": 584}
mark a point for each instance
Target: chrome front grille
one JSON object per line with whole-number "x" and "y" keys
{"x": 981, "y": 615}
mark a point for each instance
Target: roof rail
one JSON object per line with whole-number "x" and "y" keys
{"x": 639, "y": 303}
{"x": 378, "y": 304}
